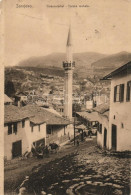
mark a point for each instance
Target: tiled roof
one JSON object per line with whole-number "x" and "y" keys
{"x": 102, "y": 108}
{"x": 37, "y": 120}
{"x": 43, "y": 115}
{"x": 7, "y": 99}
{"x": 14, "y": 114}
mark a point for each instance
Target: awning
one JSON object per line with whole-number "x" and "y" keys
{"x": 80, "y": 127}
{"x": 93, "y": 116}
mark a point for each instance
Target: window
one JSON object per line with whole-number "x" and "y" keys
{"x": 32, "y": 128}
{"x": 15, "y": 128}
{"x": 119, "y": 93}
{"x": 121, "y": 97}
{"x": 23, "y": 123}
{"x": 39, "y": 127}
{"x": 122, "y": 125}
{"x": 128, "y": 92}
{"x": 9, "y": 129}
{"x": 116, "y": 93}
{"x": 48, "y": 130}
{"x": 100, "y": 128}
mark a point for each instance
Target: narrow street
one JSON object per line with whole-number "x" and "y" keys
{"x": 85, "y": 169}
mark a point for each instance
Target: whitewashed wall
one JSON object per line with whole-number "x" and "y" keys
{"x": 25, "y": 135}
{"x": 100, "y": 136}
{"x": 122, "y": 113}
{"x": 36, "y": 134}
{"x": 21, "y": 135}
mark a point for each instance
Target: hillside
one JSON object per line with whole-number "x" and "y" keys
{"x": 110, "y": 63}
{"x": 56, "y": 59}
{"x": 88, "y": 63}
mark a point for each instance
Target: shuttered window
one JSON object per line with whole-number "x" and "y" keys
{"x": 119, "y": 93}
{"x": 115, "y": 90}
{"x": 116, "y": 93}
{"x": 121, "y": 96}
{"x": 128, "y": 92}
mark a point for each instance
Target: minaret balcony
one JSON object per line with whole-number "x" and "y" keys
{"x": 69, "y": 65}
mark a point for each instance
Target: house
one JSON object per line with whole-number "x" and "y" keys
{"x": 58, "y": 128}
{"x": 7, "y": 100}
{"x": 59, "y": 108}
{"x": 103, "y": 125}
{"x": 99, "y": 99}
{"x": 119, "y": 134}
{"x": 98, "y": 121}
{"x": 89, "y": 119}
{"x": 89, "y": 104}
{"x": 20, "y": 133}
{"x": 20, "y": 99}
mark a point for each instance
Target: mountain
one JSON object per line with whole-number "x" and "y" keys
{"x": 110, "y": 63}
{"x": 56, "y": 60}
{"x": 88, "y": 63}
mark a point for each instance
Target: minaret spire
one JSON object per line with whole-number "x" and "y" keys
{"x": 68, "y": 67}
{"x": 69, "y": 39}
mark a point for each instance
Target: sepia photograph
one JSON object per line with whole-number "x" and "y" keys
{"x": 66, "y": 97}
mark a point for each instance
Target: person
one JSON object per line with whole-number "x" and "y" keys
{"x": 77, "y": 142}
{"x": 90, "y": 133}
{"x": 24, "y": 186}
{"x": 47, "y": 151}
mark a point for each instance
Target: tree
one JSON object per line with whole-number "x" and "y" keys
{"x": 9, "y": 89}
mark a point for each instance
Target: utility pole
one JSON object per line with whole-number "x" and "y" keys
{"x": 74, "y": 124}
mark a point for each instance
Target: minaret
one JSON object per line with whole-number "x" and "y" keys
{"x": 68, "y": 67}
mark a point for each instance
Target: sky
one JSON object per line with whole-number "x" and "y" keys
{"x": 101, "y": 26}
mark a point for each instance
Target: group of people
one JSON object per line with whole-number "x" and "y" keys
{"x": 83, "y": 135}
{"x": 41, "y": 150}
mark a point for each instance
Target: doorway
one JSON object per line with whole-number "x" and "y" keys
{"x": 17, "y": 149}
{"x": 114, "y": 137}
{"x": 105, "y": 137}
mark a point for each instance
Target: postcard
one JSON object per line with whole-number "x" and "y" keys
{"x": 65, "y": 97}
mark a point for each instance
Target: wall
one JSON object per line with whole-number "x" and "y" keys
{"x": 60, "y": 134}
{"x": 121, "y": 112}
{"x": 70, "y": 130}
{"x": 9, "y": 139}
{"x": 89, "y": 104}
{"x": 23, "y": 98}
{"x": 25, "y": 135}
{"x": 56, "y": 132}
{"x": 100, "y": 136}
{"x": 36, "y": 134}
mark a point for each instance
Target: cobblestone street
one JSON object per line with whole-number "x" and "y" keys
{"x": 88, "y": 170}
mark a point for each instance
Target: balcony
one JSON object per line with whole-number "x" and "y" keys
{"x": 69, "y": 65}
